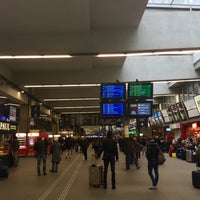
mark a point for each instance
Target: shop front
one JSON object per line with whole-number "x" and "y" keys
{"x": 7, "y": 131}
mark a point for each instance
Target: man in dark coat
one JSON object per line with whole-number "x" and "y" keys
{"x": 152, "y": 157}
{"x": 41, "y": 152}
{"x": 130, "y": 146}
{"x": 110, "y": 155}
{"x": 84, "y": 144}
{"x": 56, "y": 151}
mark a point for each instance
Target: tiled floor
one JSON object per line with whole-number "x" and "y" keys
{"x": 71, "y": 182}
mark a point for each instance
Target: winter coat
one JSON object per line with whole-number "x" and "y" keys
{"x": 198, "y": 156}
{"x": 56, "y": 152}
{"x": 152, "y": 151}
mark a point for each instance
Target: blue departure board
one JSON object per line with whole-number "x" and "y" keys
{"x": 113, "y": 109}
{"x": 113, "y": 91}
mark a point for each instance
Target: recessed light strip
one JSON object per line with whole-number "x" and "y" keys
{"x": 87, "y": 112}
{"x": 73, "y": 99}
{"x": 34, "y": 56}
{"x": 62, "y": 85}
{"x": 3, "y": 97}
{"x": 122, "y": 54}
{"x": 78, "y": 107}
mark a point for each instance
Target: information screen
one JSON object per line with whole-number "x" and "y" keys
{"x": 197, "y": 102}
{"x": 182, "y": 111}
{"x": 191, "y": 108}
{"x": 113, "y": 91}
{"x": 143, "y": 91}
{"x": 176, "y": 113}
{"x": 113, "y": 109}
{"x": 140, "y": 109}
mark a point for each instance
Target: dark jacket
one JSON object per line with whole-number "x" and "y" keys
{"x": 198, "y": 156}
{"x": 152, "y": 151}
{"x": 109, "y": 149}
{"x": 56, "y": 151}
{"x": 129, "y": 147}
{"x": 40, "y": 147}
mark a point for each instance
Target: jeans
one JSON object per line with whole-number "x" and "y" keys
{"x": 153, "y": 172}
{"x": 112, "y": 167}
{"x": 54, "y": 167}
{"x": 41, "y": 157}
{"x": 15, "y": 158}
{"x": 131, "y": 159}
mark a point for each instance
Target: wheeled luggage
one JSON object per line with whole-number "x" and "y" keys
{"x": 95, "y": 175}
{"x": 190, "y": 156}
{"x": 4, "y": 172}
{"x": 196, "y": 179}
{"x": 179, "y": 153}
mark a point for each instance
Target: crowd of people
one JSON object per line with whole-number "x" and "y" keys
{"x": 132, "y": 147}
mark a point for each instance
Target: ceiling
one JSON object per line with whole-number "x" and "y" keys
{"x": 50, "y": 27}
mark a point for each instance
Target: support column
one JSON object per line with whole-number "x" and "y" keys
{"x": 24, "y": 119}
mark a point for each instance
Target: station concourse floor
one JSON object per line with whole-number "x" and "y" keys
{"x": 72, "y": 181}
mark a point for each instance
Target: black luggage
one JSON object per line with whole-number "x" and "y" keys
{"x": 196, "y": 179}
{"x": 179, "y": 153}
{"x": 4, "y": 172}
{"x": 183, "y": 155}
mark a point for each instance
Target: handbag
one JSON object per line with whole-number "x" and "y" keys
{"x": 161, "y": 158}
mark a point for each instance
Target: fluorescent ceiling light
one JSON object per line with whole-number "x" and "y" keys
{"x": 62, "y": 85}
{"x": 111, "y": 55}
{"x": 87, "y": 112}
{"x": 72, "y": 107}
{"x": 122, "y": 54}
{"x": 139, "y": 54}
{"x": 175, "y": 81}
{"x": 12, "y": 104}
{"x": 73, "y": 99}
{"x": 34, "y": 56}
{"x": 3, "y": 97}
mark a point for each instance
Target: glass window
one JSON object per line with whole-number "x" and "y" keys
{"x": 176, "y": 2}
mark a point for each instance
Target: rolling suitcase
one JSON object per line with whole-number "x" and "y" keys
{"x": 95, "y": 175}
{"x": 4, "y": 172}
{"x": 189, "y": 154}
{"x": 196, "y": 179}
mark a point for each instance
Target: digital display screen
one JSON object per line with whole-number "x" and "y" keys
{"x": 13, "y": 113}
{"x": 113, "y": 109}
{"x": 165, "y": 116}
{"x": 157, "y": 117}
{"x": 191, "y": 108}
{"x": 182, "y": 111}
{"x": 170, "y": 114}
{"x": 160, "y": 117}
{"x": 175, "y": 112}
{"x": 113, "y": 91}
{"x": 139, "y": 109}
{"x": 197, "y": 102}
{"x": 140, "y": 91}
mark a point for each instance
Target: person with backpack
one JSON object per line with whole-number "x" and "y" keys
{"x": 152, "y": 158}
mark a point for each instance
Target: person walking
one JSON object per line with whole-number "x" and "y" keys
{"x": 69, "y": 144}
{"x": 84, "y": 144}
{"x": 110, "y": 155}
{"x": 14, "y": 151}
{"x": 41, "y": 152}
{"x": 56, "y": 150}
{"x": 152, "y": 158}
{"x": 130, "y": 152}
